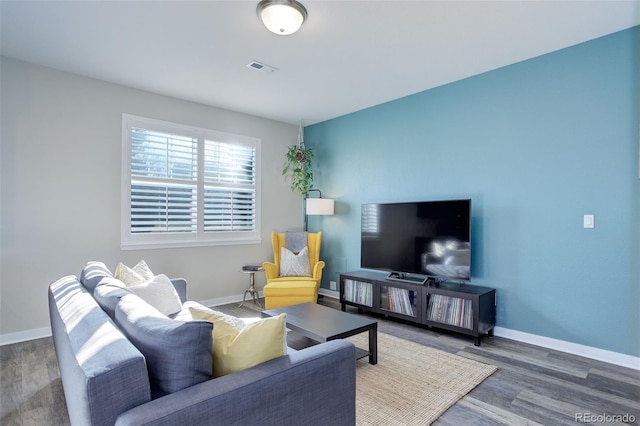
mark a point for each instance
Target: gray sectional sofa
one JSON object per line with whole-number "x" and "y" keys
{"x": 123, "y": 363}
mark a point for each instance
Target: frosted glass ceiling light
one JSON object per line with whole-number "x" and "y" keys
{"x": 282, "y": 17}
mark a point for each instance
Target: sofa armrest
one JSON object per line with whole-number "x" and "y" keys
{"x": 180, "y": 285}
{"x": 316, "y": 385}
{"x": 102, "y": 373}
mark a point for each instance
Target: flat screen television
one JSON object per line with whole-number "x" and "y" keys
{"x": 418, "y": 241}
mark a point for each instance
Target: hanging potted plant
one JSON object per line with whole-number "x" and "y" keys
{"x": 297, "y": 166}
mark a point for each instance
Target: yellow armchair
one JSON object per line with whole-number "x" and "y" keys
{"x": 290, "y": 290}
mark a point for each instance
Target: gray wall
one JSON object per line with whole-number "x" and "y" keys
{"x": 60, "y": 189}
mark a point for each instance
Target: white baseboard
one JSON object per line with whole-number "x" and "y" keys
{"x": 329, "y": 293}
{"x": 533, "y": 339}
{"x": 236, "y": 298}
{"x": 23, "y": 336}
{"x": 572, "y": 348}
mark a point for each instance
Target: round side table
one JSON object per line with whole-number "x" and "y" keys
{"x": 252, "y": 285}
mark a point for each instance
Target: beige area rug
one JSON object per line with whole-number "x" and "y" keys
{"x": 411, "y": 384}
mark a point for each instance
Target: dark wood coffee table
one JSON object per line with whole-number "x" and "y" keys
{"x": 322, "y": 324}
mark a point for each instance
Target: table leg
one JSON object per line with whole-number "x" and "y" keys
{"x": 244, "y": 297}
{"x": 252, "y": 291}
{"x": 256, "y": 298}
{"x": 373, "y": 345}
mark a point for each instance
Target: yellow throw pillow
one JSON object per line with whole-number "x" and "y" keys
{"x": 237, "y": 346}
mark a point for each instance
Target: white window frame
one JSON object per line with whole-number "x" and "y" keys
{"x": 134, "y": 241}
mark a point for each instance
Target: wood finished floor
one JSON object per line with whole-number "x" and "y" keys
{"x": 533, "y": 385}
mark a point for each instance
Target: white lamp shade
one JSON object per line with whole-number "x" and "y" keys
{"x": 282, "y": 19}
{"x": 319, "y": 206}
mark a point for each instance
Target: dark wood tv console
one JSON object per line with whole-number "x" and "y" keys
{"x": 463, "y": 308}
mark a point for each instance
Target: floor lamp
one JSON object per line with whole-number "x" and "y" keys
{"x": 316, "y": 206}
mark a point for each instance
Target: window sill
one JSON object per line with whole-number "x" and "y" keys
{"x": 186, "y": 244}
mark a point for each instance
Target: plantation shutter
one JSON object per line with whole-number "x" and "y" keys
{"x": 163, "y": 182}
{"x": 229, "y": 187}
{"x": 185, "y": 186}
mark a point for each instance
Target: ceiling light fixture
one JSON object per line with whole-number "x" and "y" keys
{"x": 282, "y": 17}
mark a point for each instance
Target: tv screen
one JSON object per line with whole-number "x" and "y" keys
{"x": 429, "y": 238}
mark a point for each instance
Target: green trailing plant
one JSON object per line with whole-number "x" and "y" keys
{"x": 297, "y": 167}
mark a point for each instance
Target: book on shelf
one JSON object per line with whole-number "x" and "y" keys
{"x": 400, "y": 300}
{"x": 450, "y": 310}
{"x": 358, "y": 292}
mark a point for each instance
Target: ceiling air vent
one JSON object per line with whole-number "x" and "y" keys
{"x": 261, "y": 67}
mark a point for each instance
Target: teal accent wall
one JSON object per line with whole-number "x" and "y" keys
{"x": 535, "y": 145}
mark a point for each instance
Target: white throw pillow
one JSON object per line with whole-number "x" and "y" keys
{"x": 294, "y": 265}
{"x": 160, "y": 293}
{"x": 133, "y": 276}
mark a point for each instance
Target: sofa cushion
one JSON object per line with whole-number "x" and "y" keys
{"x": 108, "y": 293}
{"x": 237, "y": 346}
{"x": 178, "y": 353}
{"x": 92, "y": 274}
{"x": 133, "y": 276}
{"x": 185, "y": 312}
{"x": 159, "y": 293}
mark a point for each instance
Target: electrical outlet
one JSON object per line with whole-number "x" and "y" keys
{"x": 333, "y": 286}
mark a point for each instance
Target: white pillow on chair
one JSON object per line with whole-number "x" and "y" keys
{"x": 294, "y": 265}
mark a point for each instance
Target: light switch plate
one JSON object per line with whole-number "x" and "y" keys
{"x": 589, "y": 221}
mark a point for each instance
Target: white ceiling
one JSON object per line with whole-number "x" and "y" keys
{"x": 348, "y": 55}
